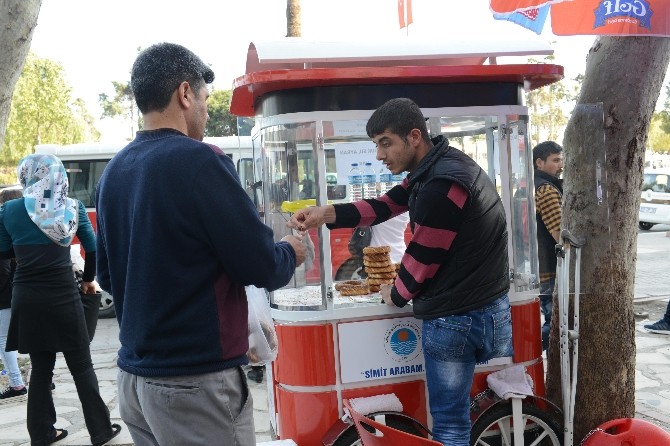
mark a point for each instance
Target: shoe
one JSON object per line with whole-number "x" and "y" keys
{"x": 12, "y": 393}
{"x": 660, "y": 327}
{"x": 255, "y": 374}
{"x": 60, "y": 434}
{"x": 116, "y": 429}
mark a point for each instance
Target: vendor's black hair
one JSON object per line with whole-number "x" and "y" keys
{"x": 544, "y": 149}
{"x": 160, "y": 69}
{"x": 399, "y": 116}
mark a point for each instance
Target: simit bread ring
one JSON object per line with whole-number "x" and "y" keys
{"x": 375, "y": 288}
{"x": 383, "y": 269}
{"x": 346, "y": 283}
{"x": 376, "y": 264}
{"x": 354, "y": 290}
{"x": 380, "y": 281}
{"x": 377, "y": 257}
{"x": 376, "y": 249}
{"x": 382, "y": 275}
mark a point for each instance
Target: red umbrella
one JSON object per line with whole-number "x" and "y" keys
{"x": 597, "y": 17}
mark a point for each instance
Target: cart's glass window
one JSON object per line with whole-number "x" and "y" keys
{"x": 523, "y": 233}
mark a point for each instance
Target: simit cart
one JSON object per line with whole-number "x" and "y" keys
{"x": 311, "y": 102}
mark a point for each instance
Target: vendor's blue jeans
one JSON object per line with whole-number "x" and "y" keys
{"x": 546, "y": 293}
{"x": 452, "y": 345}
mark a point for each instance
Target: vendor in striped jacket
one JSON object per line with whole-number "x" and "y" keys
{"x": 455, "y": 269}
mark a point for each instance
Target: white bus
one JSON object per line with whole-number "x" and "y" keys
{"x": 85, "y": 162}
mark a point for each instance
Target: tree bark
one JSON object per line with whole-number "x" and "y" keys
{"x": 293, "y": 23}
{"x": 18, "y": 19}
{"x": 608, "y": 128}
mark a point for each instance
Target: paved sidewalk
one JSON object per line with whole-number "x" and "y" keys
{"x": 652, "y": 290}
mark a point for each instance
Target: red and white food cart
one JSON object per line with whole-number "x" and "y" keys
{"x": 311, "y": 102}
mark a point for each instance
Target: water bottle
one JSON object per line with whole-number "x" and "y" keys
{"x": 385, "y": 180}
{"x": 355, "y": 183}
{"x": 369, "y": 181}
{"x": 398, "y": 178}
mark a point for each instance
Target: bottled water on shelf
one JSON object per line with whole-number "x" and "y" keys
{"x": 385, "y": 180}
{"x": 355, "y": 183}
{"x": 398, "y": 178}
{"x": 369, "y": 181}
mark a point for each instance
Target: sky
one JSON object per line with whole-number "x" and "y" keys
{"x": 96, "y": 42}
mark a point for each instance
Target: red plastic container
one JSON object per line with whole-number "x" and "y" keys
{"x": 628, "y": 432}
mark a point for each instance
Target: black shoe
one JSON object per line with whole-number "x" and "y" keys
{"x": 116, "y": 429}
{"x": 13, "y": 393}
{"x": 255, "y": 374}
{"x": 60, "y": 434}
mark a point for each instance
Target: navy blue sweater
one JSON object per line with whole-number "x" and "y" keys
{"x": 178, "y": 239}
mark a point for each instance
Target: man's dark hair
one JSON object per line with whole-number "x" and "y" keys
{"x": 544, "y": 149}
{"x": 10, "y": 193}
{"x": 399, "y": 116}
{"x": 160, "y": 69}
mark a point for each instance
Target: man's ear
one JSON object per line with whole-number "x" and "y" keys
{"x": 414, "y": 137}
{"x": 184, "y": 93}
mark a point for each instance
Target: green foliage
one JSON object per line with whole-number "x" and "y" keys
{"x": 659, "y": 138}
{"x": 221, "y": 121}
{"x": 550, "y": 106}
{"x": 665, "y": 114}
{"x": 43, "y": 111}
{"x": 121, "y": 105}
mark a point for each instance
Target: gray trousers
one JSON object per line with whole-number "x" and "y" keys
{"x": 209, "y": 409}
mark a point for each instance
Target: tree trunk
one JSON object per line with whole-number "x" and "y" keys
{"x": 293, "y": 24}
{"x": 608, "y": 128}
{"x": 17, "y": 23}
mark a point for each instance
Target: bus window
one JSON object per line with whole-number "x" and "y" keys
{"x": 83, "y": 177}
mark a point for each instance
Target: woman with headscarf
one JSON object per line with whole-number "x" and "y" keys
{"x": 47, "y": 314}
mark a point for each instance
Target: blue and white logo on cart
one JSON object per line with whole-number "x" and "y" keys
{"x": 403, "y": 341}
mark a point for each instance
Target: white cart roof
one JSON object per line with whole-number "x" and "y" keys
{"x": 296, "y": 53}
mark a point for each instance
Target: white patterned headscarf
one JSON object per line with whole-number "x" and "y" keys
{"x": 45, "y": 188}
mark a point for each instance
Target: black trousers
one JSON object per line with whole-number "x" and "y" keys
{"x": 41, "y": 410}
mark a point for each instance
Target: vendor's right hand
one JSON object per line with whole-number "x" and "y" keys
{"x": 299, "y": 248}
{"x": 312, "y": 217}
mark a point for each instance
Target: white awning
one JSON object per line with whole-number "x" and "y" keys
{"x": 296, "y": 53}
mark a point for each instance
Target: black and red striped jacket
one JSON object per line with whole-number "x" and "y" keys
{"x": 457, "y": 258}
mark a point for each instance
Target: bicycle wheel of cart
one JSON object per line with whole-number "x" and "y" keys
{"x": 494, "y": 428}
{"x": 350, "y": 436}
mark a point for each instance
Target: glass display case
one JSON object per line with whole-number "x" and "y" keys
{"x": 302, "y": 163}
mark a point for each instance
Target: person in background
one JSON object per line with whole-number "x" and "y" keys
{"x": 47, "y": 313}
{"x": 391, "y": 233}
{"x": 455, "y": 269}
{"x": 548, "y": 162}
{"x": 178, "y": 239}
{"x": 662, "y": 326}
{"x": 16, "y": 385}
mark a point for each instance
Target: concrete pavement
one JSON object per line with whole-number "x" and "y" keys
{"x": 652, "y": 289}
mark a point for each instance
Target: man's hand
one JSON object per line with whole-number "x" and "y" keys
{"x": 385, "y": 291}
{"x": 298, "y": 247}
{"x": 88, "y": 287}
{"x": 312, "y": 217}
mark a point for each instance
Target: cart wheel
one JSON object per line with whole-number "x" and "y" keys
{"x": 494, "y": 428}
{"x": 351, "y": 269}
{"x": 350, "y": 436}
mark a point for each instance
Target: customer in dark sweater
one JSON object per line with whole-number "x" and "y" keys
{"x": 178, "y": 240}
{"x": 455, "y": 267}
